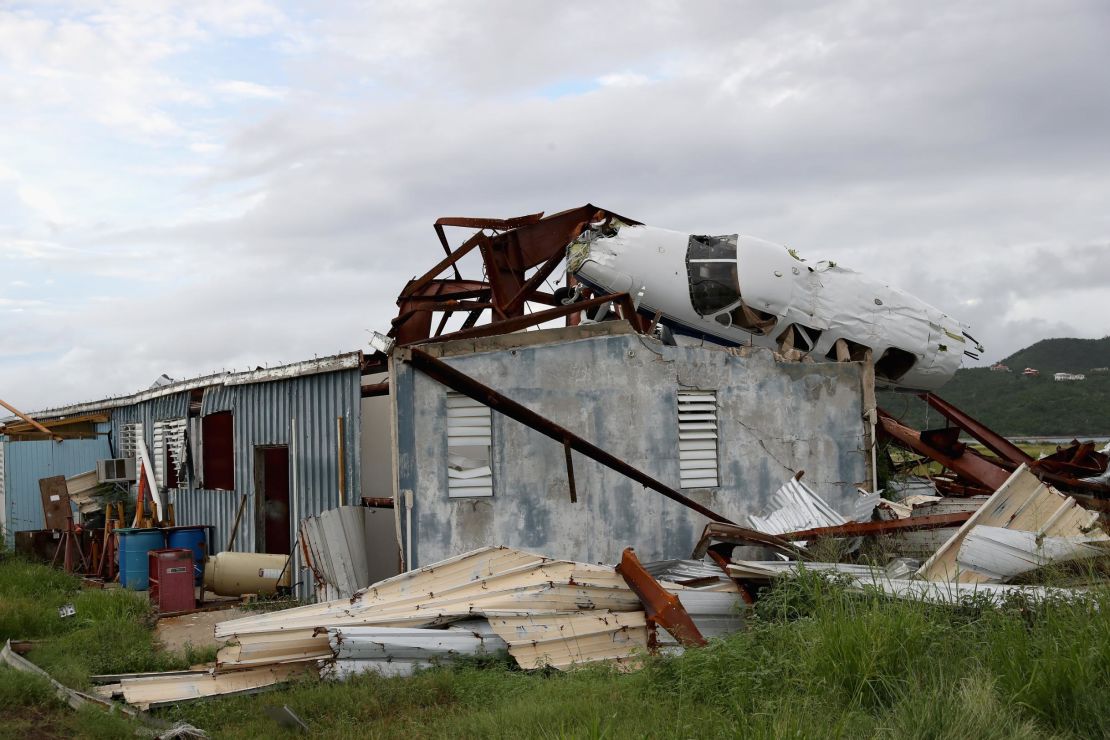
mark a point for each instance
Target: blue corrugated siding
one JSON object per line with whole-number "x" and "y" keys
{"x": 26, "y": 462}
{"x": 263, "y": 414}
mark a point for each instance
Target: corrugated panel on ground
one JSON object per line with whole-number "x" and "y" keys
{"x": 697, "y": 439}
{"x": 27, "y": 462}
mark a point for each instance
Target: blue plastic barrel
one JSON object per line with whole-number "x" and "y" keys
{"x": 134, "y": 544}
{"x": 191, "y": 538}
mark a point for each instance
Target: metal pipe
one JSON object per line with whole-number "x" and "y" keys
{"x": 452, "y": 378}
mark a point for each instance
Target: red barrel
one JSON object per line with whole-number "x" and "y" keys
{"x": 171, "y": 579}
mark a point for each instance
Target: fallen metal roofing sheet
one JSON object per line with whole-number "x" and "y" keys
{"x": 1021, "y": 503}
{"x": 565, "y": 640}
{"x": 1000, "y": 554}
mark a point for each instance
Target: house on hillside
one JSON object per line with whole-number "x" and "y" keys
{"x": 1070, "y": 376}
{"x": 1031, "y": 372}
{"x": 998, "y": 367}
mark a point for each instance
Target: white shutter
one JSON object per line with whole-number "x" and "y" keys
{"x": 160, "y": 454}
{"x": 130, "y": 434}
{"x": 697, "y": 439}
{"x": 469, "y": 425}
{"x": 169, "y": 449}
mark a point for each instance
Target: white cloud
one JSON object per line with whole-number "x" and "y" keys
{"x": 249, "y": 90}
{"x": 222, "y": 184}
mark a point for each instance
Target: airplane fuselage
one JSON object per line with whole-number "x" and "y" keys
{"x": 738, "y": 290}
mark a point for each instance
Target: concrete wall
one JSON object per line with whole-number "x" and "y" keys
{"x": 619, "y": 390}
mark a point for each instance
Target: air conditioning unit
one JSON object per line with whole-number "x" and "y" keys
{"x": 117, "y": 470}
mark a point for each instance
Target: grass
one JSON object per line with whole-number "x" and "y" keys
{"x": 817, "y": 661}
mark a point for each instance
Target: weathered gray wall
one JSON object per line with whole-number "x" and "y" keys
{"x": 620, "y": 392}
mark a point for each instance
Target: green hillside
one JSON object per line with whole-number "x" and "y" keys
{"x": 1015, "y": 405}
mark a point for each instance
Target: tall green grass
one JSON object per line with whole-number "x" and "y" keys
{"x": 816, "y": 661}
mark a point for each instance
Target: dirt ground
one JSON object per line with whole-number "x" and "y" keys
{"x": 195, "y": 629}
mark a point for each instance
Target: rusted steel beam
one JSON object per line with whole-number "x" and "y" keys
{"x": 728, "y": 533}
{"x": 371, "y": 390}
{"x": 443, "y": 373}
{"x": 570, "y": 474}
{"x": 507, "y": 326}
{"x": 495, "y": 224}
{"x": 415, "y": 286}
{"x": 660, "y": 605}
{"x": 863, "y": 529}
{"x": 990, "y": 439}
{"x": 967, "y": 464}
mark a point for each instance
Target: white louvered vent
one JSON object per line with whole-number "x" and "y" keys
{"x": 169, "y": 449}
{"x": 130, "y": 434}
{"x": 468, "y": 447}
{"x": 697, "y": 439}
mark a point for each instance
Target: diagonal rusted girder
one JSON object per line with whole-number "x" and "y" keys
{"x": 661, "y": 606}
{"x": 961, "y": 460}
{"x": 991, "y": 439}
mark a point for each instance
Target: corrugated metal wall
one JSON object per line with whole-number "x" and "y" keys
{"x": 26, "y": 462}
{"x": 264, "y": 414}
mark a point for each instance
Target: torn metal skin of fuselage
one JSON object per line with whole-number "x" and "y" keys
{"x": 736, "y": 290}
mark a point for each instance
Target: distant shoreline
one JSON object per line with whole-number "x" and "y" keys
{"x": 1056, "y": 439}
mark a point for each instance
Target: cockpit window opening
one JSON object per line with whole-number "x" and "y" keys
{"x": 711, "y": 269}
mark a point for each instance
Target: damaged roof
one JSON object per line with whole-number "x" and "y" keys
{"x": 345, "y": 361}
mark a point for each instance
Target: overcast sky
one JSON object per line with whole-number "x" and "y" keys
{"x": 205, "y": 185}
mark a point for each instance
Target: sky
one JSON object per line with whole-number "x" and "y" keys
{"x": 188, "y": 187}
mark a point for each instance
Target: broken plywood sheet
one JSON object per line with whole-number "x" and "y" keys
{"x": 1000, "y": 554}
{"x": 566, "y": 640}
{"x": 1021, "y": 503}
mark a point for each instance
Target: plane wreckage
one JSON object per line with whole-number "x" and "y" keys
{"x": 727, "y": 289}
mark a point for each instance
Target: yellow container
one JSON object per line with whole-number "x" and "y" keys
{"x": 238, "y": 573}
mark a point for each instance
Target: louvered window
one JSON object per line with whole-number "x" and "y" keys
{"x": 697, "y": 439}
{"x": 169, "y": 456}
{"x": 468, "y": 447}
{"x": 129, "y": 437}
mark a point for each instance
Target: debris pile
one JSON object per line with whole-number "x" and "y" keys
{"x": 544, "y": 612}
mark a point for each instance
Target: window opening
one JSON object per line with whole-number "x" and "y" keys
{"x": 798, "y": 337}
{"x": 894, "y": 364}
{"x": 856, "y": 352}
{"x": 711, "y": 270}
{"x": 218, "y": 450}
